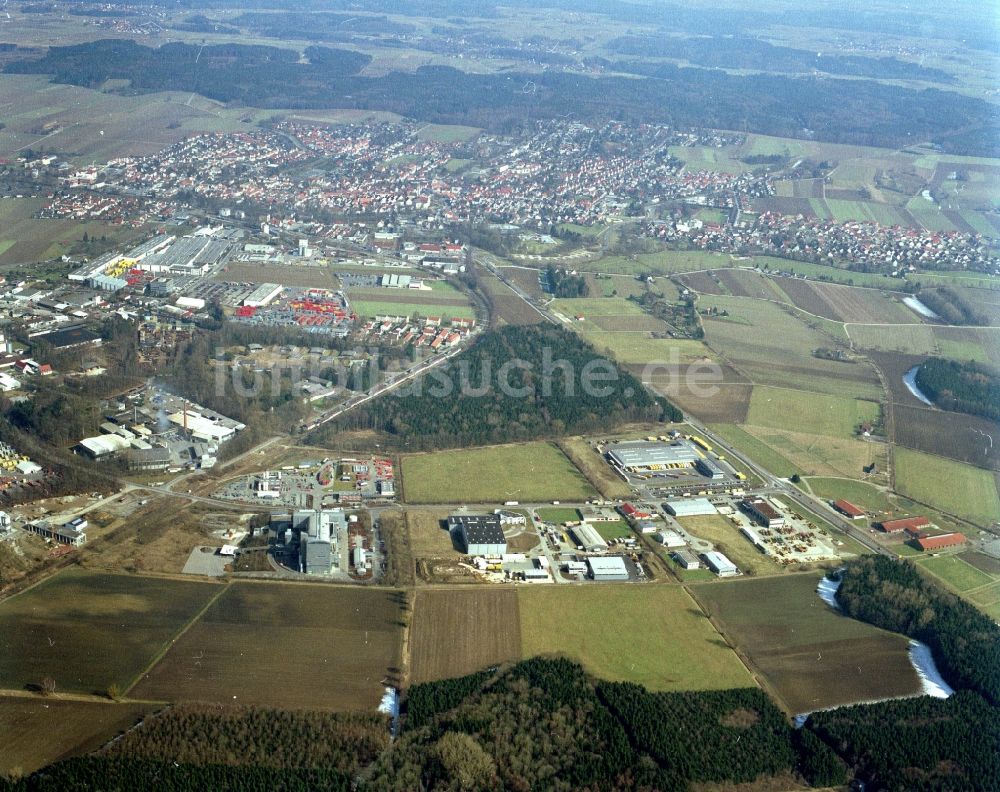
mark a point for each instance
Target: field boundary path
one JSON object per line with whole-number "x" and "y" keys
{"x": 177, "y": 636}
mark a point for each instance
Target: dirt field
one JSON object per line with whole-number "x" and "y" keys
{"x": 89, "y": 631}
{"x": 700, "y": 392}
{"x": 810, "y": 656}
{"x": 458, "y": 632}
{"x": 806, "y": 297}
{"x": 526, "y": 279}
{"x": 37, "y": 732}
{"x": 703, "y": 282}
{"x": 864, "y": 305}
{"x": 287, "y": 645}
{"x": 964, "y": 438}
{"x": 894, "y": 367}
{"x": 311, "y": 277}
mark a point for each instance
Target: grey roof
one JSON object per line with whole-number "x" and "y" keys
{"x": 479, "y": 528}
{"x": 646, "y": 454}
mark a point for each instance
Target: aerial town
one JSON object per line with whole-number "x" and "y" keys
{"x": 475, "y": 396}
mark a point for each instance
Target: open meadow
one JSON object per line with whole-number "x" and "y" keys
{"x": 810, "y": 656}
{"x": 656, "y": 636}
{"x": 953, "y": 487}
{"x": 37, "y": 732}
{"x": 462, "y": 631}
{"x": 285, "y": 645}
{"x": 526, "y": 472}
{"x": 89, "y": 632}
{"x": 813, "y": 413}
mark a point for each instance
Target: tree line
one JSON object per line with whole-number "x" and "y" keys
{"x": 951, "y": 306}
{"x": 865, "y": 112}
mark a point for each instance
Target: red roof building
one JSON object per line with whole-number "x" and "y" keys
{"x": 848, "y": 509}
{"x": 906, "y": 523}
{"x": 938, "y": 542}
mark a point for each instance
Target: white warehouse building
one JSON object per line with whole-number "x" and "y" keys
{"x": 604, "y": 568}
{"x": 690, "y": 507}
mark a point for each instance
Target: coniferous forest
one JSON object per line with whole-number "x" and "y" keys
{"x": 961, "y": 387}
{"x": 515, "y": 383}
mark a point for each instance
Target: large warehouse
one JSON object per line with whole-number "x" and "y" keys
{"x": 690, "y": 507}
{"x": 720, "y": 565}
{"x": 607, "y": 568}
{"x": 644, "y": 456}
{"x": 588, "y": 538}
{"x": 481, "y": 533}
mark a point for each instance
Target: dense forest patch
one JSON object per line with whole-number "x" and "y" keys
{"x": 515, "y": 383}
{"x": 961, "y": 387}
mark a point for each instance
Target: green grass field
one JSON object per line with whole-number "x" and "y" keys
{"x": 758, "y": 451}
{"x": 813, "y": 413}
{"x": 859, "y": 493}
{"x": 597, "y": 306}
{"x": 447, "y": 133}
{"x": 369, "y": 308}
{"x": 956, "y": 573}
{"x": 531, "y": 472}
{"x": 653, "y": 635}
{"x": 960, "y": 489}
{"x": 619, "y": 529}
{"x": 89, "y": 631}
{"x": 913, "y": 339}
{"x": 559, "y": 514}
{"x": 639, "y": 348}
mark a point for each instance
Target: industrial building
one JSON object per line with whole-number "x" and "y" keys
{"x": 592, "y": 514}
{"x": 316, "y": 532}
{"x": 481, "y": 534}
{"x": 588, "y": 538}
{"x": 754, "y": 538}
{"x": 670, "y": 539}
{"x": 644, "y": 456}
{"x": 68, "y": 338}
{"x": 849, "y": 510}
{"x": 903, "y": 524}
{"x": 719, "y": 564}
{"x": 763, "y": 512}
{"x": 687, "y": 559}
{"x": 68, "y": 534}
{"x": 690, "y": 507}
{"x": 942, "y": 541}
{"x": 262, "y": 295}
{"x": 605, "y": 568}
{"x": 709, "y": 469}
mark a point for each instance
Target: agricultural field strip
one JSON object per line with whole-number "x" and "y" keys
{"x": 173, "y": 639}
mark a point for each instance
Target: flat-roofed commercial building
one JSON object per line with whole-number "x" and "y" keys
{"x": 761, "y": 510}
{"x": 604, "y": 568}
{"x": 720, "y": 565}
{"x": 645, "y": 456}
{"x": 690, "y": 507}
{"x": 481, "y": 534}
